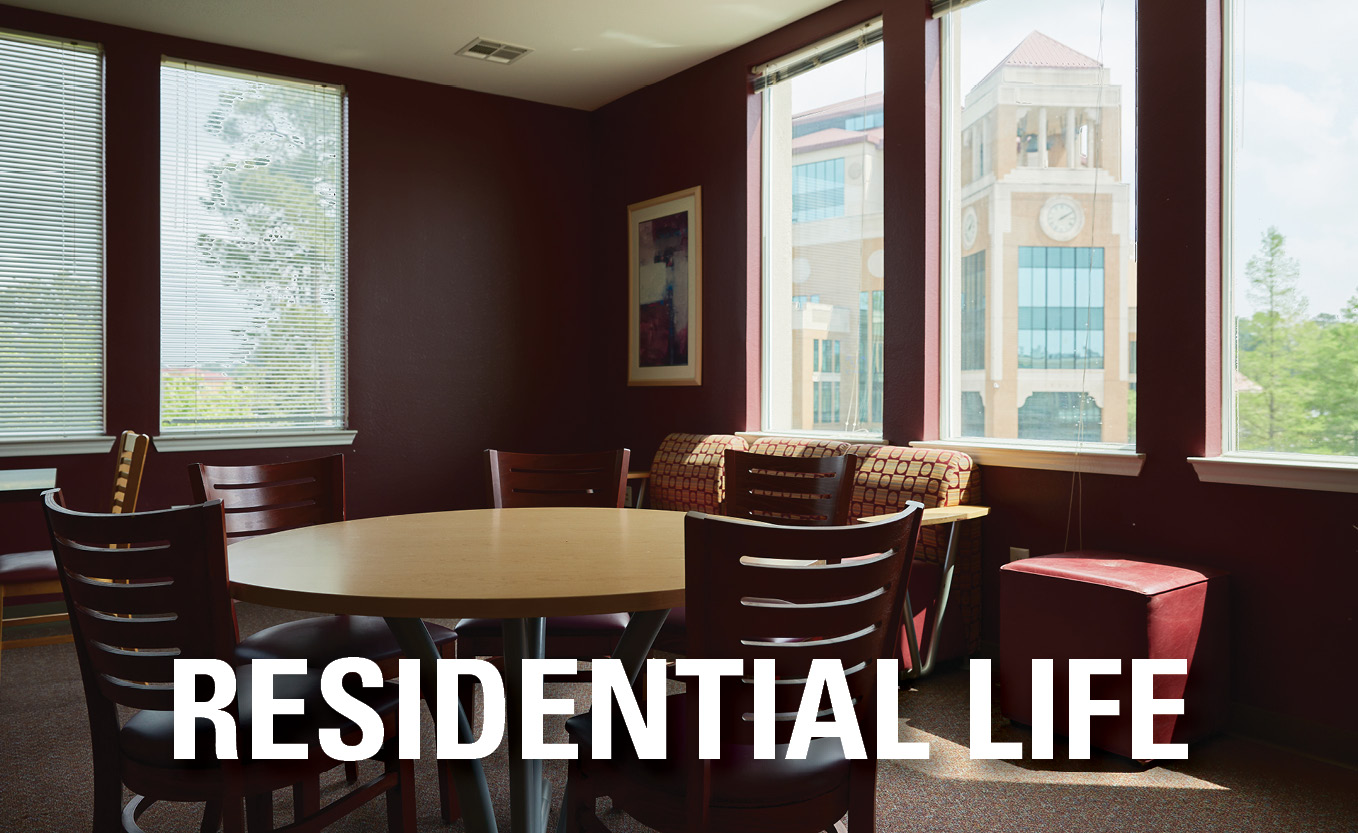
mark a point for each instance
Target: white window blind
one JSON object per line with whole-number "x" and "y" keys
{"x": 252, "y": 252}
{"x": 51, "y": 238}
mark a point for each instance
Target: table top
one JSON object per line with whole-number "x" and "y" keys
{"x": 498, "y": 563}
{"x": 25, "y": 484}
{"x": 950, "y": 514}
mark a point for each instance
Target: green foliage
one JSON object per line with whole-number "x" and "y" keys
{"x": 279, "y": 187}
{"x": 1299, "y": 391}
{"x": 186, "y": 398}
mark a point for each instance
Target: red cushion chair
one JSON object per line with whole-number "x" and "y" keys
{"x": 1100, "y": 605}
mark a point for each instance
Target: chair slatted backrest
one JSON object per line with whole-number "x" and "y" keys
{"x": 589, "y": 479}
{"x": 806, "y": 491}
{"x": 131, "y": 450}
{"x": 771, "y": 592}
{"x": 142, "y": 589}
{"x": 275, "y": 496}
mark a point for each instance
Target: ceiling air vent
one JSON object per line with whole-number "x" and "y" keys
{"x": 494, "y": 51}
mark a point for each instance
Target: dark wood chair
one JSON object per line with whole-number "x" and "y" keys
{"x": 847, "y": 605}
{"x": 797, "y": 491}
{"x": 34, "y": 574}
{"x": 144, "y": 589}
{"x": 791, "y": 491}
{"x": 526, "y": 480}
{"x": 280, "y": 496}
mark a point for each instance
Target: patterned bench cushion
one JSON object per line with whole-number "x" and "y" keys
{"x": 888, "y": 476}
{"x": 688, "y": 471}
{"x": 797, "y": 447}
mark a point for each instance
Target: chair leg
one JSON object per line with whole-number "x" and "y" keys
{"x": 401, "y": 798}
{"x": 863, "y": 796}
{"x": 233, "y": 820}
{"x": 306, "y": 798}
{"x": 259, "y": 813}
{"x": 2, "y": 621}
{"x": 449, "y": 809}
{"x": 351, "y": 772}
{"x": 212, "y": 817}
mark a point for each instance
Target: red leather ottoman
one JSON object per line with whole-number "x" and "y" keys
{"x": 1097, "y": 605}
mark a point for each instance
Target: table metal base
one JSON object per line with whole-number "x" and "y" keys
{"x": 529, "y": 792}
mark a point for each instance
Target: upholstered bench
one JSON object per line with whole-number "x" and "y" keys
{"x": 687, "y": 473}
{"x": 1100, "y": 605}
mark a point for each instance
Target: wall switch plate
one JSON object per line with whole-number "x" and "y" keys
{"x": 1017, "y": 554}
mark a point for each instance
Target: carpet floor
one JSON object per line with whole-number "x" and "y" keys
{"x": 1228, "y": 783}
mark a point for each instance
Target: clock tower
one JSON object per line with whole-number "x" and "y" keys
{"x": 1045, "y": 305}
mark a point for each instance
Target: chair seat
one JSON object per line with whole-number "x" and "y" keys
{"x": 148, "y": 736}
{"x": 23, "y": 567}
{"x": 594, "y": 625}
{"x": 326, "y": 638}
{"x": 738, "y": 779}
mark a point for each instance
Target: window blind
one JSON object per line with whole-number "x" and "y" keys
{"x": 51, "y": 238}
{"x": 253, "y": 313}
{"x": 942, "y": 7}
{"x": 818, "y": 54}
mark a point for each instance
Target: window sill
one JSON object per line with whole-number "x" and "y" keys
{"x": 1284, "y": 473}
{"x": 297, "y": 438}
{"x": 873, "y": 439}
{"x": 1101, "y": 460}
{"x": 53, "y": 446}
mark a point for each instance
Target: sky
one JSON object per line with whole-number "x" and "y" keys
{"x": 1296, "y": 109}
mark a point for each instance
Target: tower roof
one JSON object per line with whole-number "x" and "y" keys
{"x": 1038, "y": 50}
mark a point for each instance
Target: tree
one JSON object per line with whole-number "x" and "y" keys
{"x": 1334, "y": 398}
{"x": 1272, "y": 352}
{"x": 278, "y": 186}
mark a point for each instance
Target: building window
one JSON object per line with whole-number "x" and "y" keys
{"x": 1059, "y": 417}
{"x": 51, "y": 238}
{"x": 1060, "y": 306}
{"x": 1040, "y": 272}
{"x": 1291, "y": 366}
{"x": 818, "y": 190}
{"x": 973, "y": 311}
{"x": 252, "y": 252}
{"x": 822, "y": 238}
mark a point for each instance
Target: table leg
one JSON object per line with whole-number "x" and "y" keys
{"x": 523, "y": 639}
{"x": 468, "y": 777}
{"x": 920, "y": 667}
{"x": 633, "y": 648}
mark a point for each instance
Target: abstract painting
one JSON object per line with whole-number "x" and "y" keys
{"x": 665, "y": 274}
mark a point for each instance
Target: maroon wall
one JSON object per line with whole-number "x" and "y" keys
{"x": 474, "y": 271}
{"x": 468, "y": 241}
{"x": 1291, "y": 552}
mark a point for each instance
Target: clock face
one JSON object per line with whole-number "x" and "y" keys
{"x": 969, "y": 228}
{"x": 1061, "y": 218}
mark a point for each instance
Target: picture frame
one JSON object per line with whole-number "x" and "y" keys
{"x": 664, "y": 298}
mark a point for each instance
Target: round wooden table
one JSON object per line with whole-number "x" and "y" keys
{"x": 517, "y": 565}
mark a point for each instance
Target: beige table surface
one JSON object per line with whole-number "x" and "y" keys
{"x": 498, "y": 563}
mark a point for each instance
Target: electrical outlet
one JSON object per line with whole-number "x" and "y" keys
{"x": 1017, "y": 553}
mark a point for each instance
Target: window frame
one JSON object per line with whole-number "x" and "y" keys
{"x": 1090, "y": 457}
{"x": 57, "y": 441}
{"x": 205, "y": 439}
{"x": 867, "y": 33}
{"x": 1314, "y": 472}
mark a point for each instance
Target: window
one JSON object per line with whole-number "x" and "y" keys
{"x": 252, "y": 252}
{"x": 1291, "y": 369}
{"x": 1060, "y": 306}
{"x": 822, "y": 242}
{"x": 1039, "y": 253}
{"x": 51, "y": 239}
{"x": 818, "y": 190}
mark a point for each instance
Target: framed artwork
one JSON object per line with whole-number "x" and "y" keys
{"x": 664, "y": 299}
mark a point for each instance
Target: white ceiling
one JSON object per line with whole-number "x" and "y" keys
{"x": 586, "y": 52}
